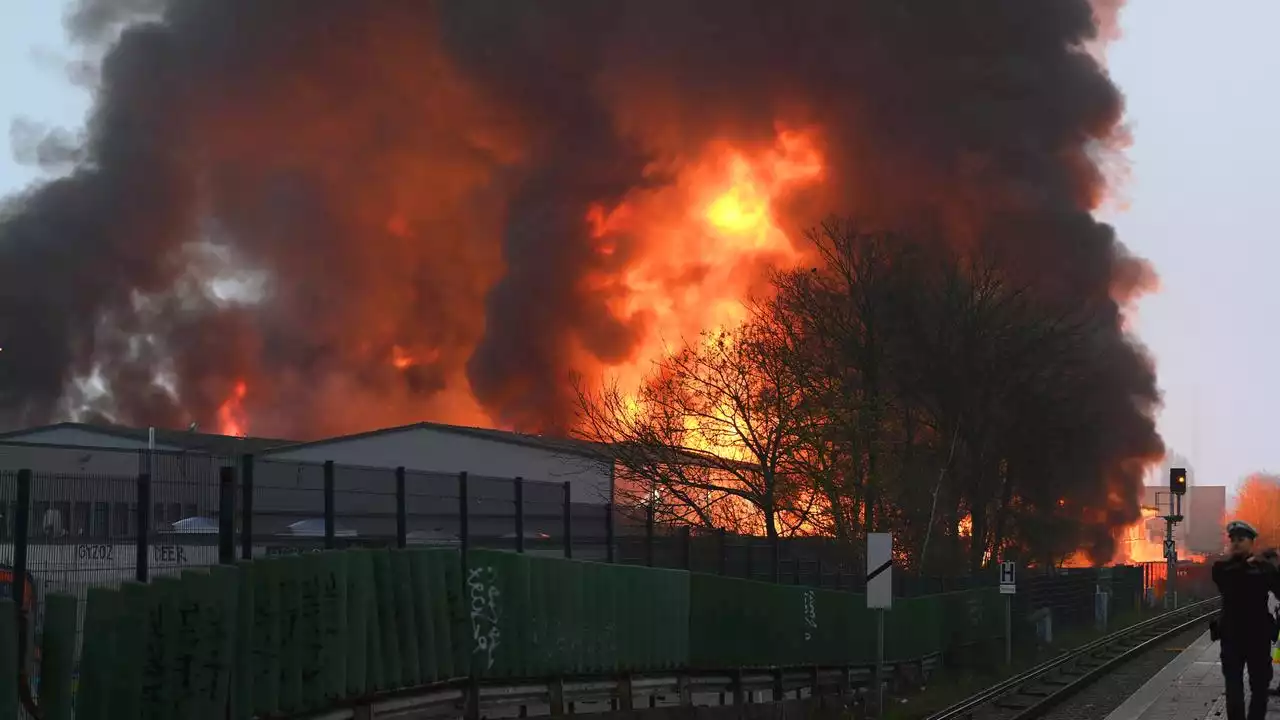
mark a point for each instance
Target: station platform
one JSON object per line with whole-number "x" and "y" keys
{"x": 1189, "y": 688}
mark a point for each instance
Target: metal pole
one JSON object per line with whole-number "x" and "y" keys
{"x": 402, "y": 510}
{"x": 724, "y": 551}
{"x": 464, "y": 518}
{"x": 648, "y": 537}
{"x": 1008, "y": 629}
{"x": 226, "y": 515}
{"x": 144, "y": 526}
{"x": 568, "y": 522}
{"x": 1171, "y": 567}
{"x": 330, "y": 512}
{"x": 519, "y": 490}
{"x": 246, "y": 507}
{"x": 608, "y": 533}
{"x": 879, "y": 671}
{"x": 21, "y": 533}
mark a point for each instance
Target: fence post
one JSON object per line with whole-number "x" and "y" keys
{"x": 687, "y": 560}
{"x": 648, "y": 536}
{"x": 464, "y": 520}
{"x": 21, "y": 535}
{"x": 226, "y": 515}
{"x": 246, "y": 507}
{"x": 144, "y": 526}
{"x": 519, "y": 510}
{"x": 568, "y": 521}
{"x": 775, "y": 560}
{"x": 402, "y": 510}
{"x": 330, "y": 512}
{"x": 751, "y": 557}
{"x": 608, "y": 533}
{"x": 724, "y": 551}
{"x": 795, "y": 570}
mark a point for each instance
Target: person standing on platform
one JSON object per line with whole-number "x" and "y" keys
{"x": 1245, "y": 625}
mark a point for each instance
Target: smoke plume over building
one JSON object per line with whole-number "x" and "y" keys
{"x": 320, "y": 216}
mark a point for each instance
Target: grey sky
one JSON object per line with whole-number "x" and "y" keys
{"x": 1198, "y": 202}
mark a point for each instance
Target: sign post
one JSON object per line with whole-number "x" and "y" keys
{"x": 879, "y": 598}
{"x": 1008, "y": 588}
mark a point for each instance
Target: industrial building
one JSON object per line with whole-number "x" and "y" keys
{"x": 86, "y": 497}
{"x": 86, "y": 479}
{"x": 450, "y": 449}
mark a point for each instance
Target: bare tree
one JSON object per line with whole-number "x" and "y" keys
{"x": 711, "y": 433}
{"x": 894, "y": 386}
{"x": 838, "y": 318}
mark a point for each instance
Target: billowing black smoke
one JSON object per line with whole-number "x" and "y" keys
{"x": 370, "y": 178}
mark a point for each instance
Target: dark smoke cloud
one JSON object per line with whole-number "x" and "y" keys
{"x": 415, "y": 174}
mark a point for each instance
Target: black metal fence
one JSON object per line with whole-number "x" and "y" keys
{"x": 139, "y": 515}
{"x": 104, "y": 515}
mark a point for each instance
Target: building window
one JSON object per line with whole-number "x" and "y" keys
{"x": 121, "y": 522}
{"x": 101, "y": 526}
{"x": 82, "y": 515}
{"x": 175, "y": 512}
{"x": 62, "y": 515}
{"x": 40, "y": 511}
{"x": 189, "y": 511}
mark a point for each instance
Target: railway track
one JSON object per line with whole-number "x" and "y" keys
{"x": 1033, "y": 693}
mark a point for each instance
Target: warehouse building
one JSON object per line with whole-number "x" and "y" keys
{"x": 449, "y": 450}
{"x": 86, "y": 480}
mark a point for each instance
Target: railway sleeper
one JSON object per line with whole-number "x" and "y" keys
{"x": 1037, "y": 693}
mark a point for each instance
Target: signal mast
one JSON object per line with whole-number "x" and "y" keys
{"x": 1177, "y": 488}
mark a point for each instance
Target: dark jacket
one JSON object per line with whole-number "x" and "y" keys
{"x": 1244, "y": 587}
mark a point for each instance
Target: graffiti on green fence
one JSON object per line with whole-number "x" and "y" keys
{"x": 482, "y": 583}
{"x": 810, "y": 615}
{"x": 285, "y": 634}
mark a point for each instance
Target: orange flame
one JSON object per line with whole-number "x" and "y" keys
{"x": 678, "y": 257}
{"x": 401, "y": 359}
{"x": 232, "y": 419}
{"x": 700, "y": 246}
{"x": 1140, "y": 542}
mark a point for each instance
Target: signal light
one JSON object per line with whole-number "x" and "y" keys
{"x": 1178, "y": 481}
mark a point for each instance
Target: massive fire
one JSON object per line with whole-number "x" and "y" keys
{"x": 1143, "y": 541}
{"x": 716, "y": 222}
{"x": 696, "y": 249}
{"x": 460, "y": 207}
{"x": 700, "y": 245}
{"x": 1140, "y": 542}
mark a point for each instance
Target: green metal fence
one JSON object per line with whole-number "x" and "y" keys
{"x": 298, "y": 633}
